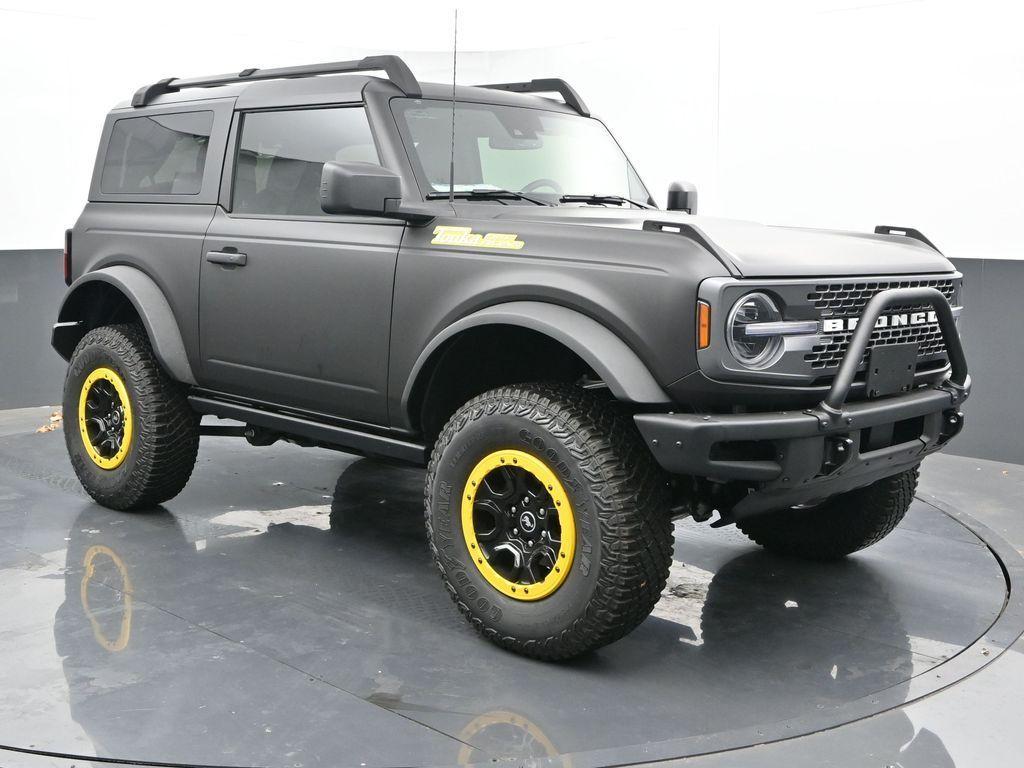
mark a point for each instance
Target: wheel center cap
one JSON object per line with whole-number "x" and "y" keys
{"x": 528, "y": 522}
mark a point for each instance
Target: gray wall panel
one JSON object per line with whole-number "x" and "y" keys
{"x": 31, "y": 373}
{"x": 992, "y": 328}
{"x": 31, "y": 287}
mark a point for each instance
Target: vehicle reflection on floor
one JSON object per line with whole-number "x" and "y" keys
{"x": 350, "y": 604}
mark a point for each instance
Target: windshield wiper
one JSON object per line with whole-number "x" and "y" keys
{"x": 486, "y": 194}
{"x": 598, "y": 199}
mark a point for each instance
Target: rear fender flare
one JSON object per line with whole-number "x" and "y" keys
{"x": 151, "y": 306}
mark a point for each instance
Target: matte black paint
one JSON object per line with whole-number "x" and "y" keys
{"x": 644, "y": 302}
{"x": 340, "y": 315}
{"x": 161, "y": 241}
{"x": 306, "y": 321}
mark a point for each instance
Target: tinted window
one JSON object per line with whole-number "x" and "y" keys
{"x": 282, "y": 154}
{"x": 157, "y": 155}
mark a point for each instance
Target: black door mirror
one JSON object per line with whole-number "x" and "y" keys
{"x": 362, "y": 188}
{"x": 682, "y": 196}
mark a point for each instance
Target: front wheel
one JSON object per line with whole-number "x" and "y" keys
{"x": 548, "y": 519}
{"x": 838, "y": 526}
{"x": 130, "y": 433}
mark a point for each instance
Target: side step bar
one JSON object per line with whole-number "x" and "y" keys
{"x": 346, "y": 438}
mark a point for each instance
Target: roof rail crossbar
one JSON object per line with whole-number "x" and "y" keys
{"x": 546, "y": 85}
{"x": 396, "y": 69}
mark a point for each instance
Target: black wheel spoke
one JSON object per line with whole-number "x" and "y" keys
{"x": 518, "y": 485}
{"x": 508, "y": 560}
{"x": 553, "y": 529}
{"x": 500, "y": 483}
{"x": 531, "y": 487}
{"x": 540, "y": 563}
{"x": 489, "y": 520}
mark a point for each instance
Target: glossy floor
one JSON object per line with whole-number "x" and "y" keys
{"x": 283, "y": 611}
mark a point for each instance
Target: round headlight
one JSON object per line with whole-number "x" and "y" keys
{"x": 753, "y": 350}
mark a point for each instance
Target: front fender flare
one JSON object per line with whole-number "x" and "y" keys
{"x": 610, "y": 357}
{"x": 151, "y": 306}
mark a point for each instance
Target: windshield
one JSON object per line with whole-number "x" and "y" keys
{"x": 544, "y": 154}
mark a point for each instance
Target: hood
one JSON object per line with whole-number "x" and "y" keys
{"x": 749, "y": 249}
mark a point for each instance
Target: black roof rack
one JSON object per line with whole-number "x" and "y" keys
{"x": 396, "y": 69}
{"x": 546, "y": 85}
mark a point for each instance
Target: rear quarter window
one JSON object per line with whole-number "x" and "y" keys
{"x": 157, "y": 154}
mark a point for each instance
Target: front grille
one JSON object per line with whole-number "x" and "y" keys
{"x": 849, "y": 300}
{"x": 829, "y": 355}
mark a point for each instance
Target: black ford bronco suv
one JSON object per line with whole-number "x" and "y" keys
{"x": 310, "y": 253}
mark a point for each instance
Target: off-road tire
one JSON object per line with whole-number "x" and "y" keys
{"x": 619, "y": 498}
{"x": 840, "y": 525}
{"x": 165, "y": 440}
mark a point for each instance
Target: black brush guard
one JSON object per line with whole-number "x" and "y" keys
{"x": 817, "y": 453}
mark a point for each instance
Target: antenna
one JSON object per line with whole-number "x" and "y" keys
{"x": 455, "y": 59}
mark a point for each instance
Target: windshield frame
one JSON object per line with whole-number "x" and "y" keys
{"x": 424, "y": 186}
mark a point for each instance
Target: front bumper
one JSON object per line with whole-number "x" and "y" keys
{"x": 792, "y": 458}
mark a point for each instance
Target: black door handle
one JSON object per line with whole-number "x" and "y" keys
{"x": 230, "y": 258}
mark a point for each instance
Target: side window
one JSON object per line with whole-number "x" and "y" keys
{"x": 282, "y": 154}
{"x": 157, "y": 154}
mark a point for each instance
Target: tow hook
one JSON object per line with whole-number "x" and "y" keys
{"x": 837, "y": 452}
{"x": 700, "y": 499}
{"x": 952, "y": 423}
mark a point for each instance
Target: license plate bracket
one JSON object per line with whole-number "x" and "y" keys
{"x": 891, "y": 369}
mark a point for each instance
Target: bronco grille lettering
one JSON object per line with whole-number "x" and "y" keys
{"x": 898, "y": 320}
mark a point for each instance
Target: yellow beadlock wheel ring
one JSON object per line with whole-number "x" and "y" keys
{"x": 105, "y": 418}
{"x": 518, "y": 524}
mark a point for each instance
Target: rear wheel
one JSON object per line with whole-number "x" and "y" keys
{"x": 838, "y": 526}
{"x": 130, "y": 433}
{"x": 548, "y": 519}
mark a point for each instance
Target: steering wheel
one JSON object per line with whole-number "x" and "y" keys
{"x": 536, "y": 184}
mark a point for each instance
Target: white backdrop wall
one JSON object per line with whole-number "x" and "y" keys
{"x": 832, "y": 114}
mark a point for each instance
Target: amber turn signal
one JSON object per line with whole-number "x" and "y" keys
{"x": 703, "y": 325}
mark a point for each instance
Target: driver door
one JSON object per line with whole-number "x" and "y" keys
{"x": 295, "y": 305}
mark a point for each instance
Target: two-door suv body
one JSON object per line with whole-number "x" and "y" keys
{"x": 308, "y": 253}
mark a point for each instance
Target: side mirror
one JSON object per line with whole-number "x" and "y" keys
{"x": 359, "y": 188}
{"x": 682, "y": 196}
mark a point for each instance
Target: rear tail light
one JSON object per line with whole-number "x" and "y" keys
{"x": 67, "y": 257}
